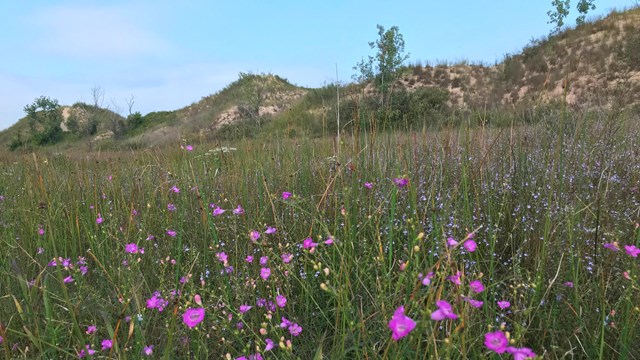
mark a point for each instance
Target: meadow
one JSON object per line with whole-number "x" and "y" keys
{"x": 470, "y": 242}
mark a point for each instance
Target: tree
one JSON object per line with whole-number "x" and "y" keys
{"x": 384, "y": 67}
{"x": 44, "y": 120}
{"x": 561, "y": 11}
{"x": 97, "y": 94}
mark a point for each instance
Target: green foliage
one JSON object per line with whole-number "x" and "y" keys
{"x": 558, "y": 14}
{"x": 44, "y": 119}
{"x": 583, "y": 7}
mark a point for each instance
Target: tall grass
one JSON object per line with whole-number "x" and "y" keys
{"x": 540, "y": 202}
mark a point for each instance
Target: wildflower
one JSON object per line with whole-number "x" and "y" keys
{"x": 264, "y": 260}
{"x": 368, "y": 185}
{"x": 99, "y": 219}
{"x": 308, "y": 243}
{"x": 189, "y": 147}
{"x": 475, "y": 303}
{"x": 254, "y": 235}
{"x": 238, "y": 211}
{"x": 286, "y": 195}
{"x": 455, "y": 278}
{"x": 156, "y": 302}
{"x": 175, "y": 189}
{"x": 401, "y": 182}
{"x": 172, "y": 233}
{"x": 40, "y": 251}
{"x": 218, "y": 211}
{"x": 91, "y": 329}
{"x": 400, "y": 324}
{"x": 612, "y": 246}
{"x": 286, "y": 258}
{"x": 68, "y": 279}
{"x": 521, "y": 353}
{"x": 265, "y": 273}
{"x": 470, "y": 245}
{"x": 503, "y": 304}
{"x": 631, "y": 250}
{"x": 193, "y": 317}
{"x": 496, "y": 341}
{"x": 269, "y": 345}
{"x": 249, "y": 259}
{"x": 427, "y": 279}
{"x": 244, "y": 308}
{"x": 106, "y": 344}
{"x": 270, "y": 230}
{"x": 171, "y": 207}
{"x": 444, "y": 311}
{"x": 222, "y": 257}
{"x": 329, "y": 241}
{"x": 476, "y": 286}
{"x": 148, "y": 350}
{"x": 40, "y": 231}
{"x": 568, "y": 284}
{"x": 451, "y": 242}
{"x": 281, "y": 301}
{"x": 131, "y": 248}
{"x": 86, "y": 351}
{"x": 295, "y": 329}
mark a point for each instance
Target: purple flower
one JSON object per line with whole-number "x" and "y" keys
{"x": 503, "y": 304}
{"x": 444, "y": 311}
{"x": 91, "y": 329}
{"x": 156, "y": 302}
{"x": 631, "y": 250}
{"x": 568, "y": 284}
{"x": 329, "y": 241}
{"x": 401, "y": 182}
{"x": 265, "y": 273}
{"x": 222, "y": 257}
{"x": 172, "y": 233}
{"x": 400, "y": 324}
{"x": 131, "y": 248}
{"x": 451, "y": 242}
{"x": 475, "y": 303}
{"x": 286, "y": 195}
{"x": 244, "y": 308}
{"x": 295, "y": 329}
{"x": 264, "y": 260}
{"x": 68, "y": 279}
{"x": 175, "y": 189}
{"x": 368, "y": 185}
{"x": 254, "y": 235}
{"x": 470, "y": 245}
{"x": 269, "y": 345}
{"x": 308, "y": 244}
{"x": 106, "y": 344}
{"x": 249, "y": 259}
{"x": 521, "y": 353}
{"x": 476, "y": 286}
{"x": 427, "y": 279}
{"x": 455, "y": 278}
{"x": 218, "y": 211}
{"x": 285, "y": 322}
{"x": 270, "y": 230}
{"x": 286, "y": 258}
{"x": 189, "y": 147}
{"x": 281, "y": 301}
{"x": 496, "y": 341}
{"x": 148, "y": 350}
{"x": 238, "y": 211}
{"x": 40, "y": 231}
{"x": 612, "y": 246}
{"x": 193, "y": 317}
{"x": 99, "y": 219}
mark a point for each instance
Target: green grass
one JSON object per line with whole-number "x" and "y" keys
{"x": 541, "y": 201}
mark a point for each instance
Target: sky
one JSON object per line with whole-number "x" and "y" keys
{"x": 170, "y": 54}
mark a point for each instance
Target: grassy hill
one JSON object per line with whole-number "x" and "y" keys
{"x": 593, "y": 65}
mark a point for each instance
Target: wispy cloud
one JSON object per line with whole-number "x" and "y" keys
{"x": 94, "y": 32}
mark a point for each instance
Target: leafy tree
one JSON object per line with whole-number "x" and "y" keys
{"x": 384, "y": 67}
{"x": 584, "y": 6}
{"x": 561, "y": 11}
{"x": 44, "y": 120}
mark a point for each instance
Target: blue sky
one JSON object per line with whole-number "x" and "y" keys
{"x": 169, "y": 54}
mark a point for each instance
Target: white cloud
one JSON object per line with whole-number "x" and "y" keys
{"x": 94, "y": 32}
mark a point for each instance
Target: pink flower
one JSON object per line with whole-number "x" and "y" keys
{"x": 444, "y": 311}
{"x": 218, "y": 211}
{"x": 238, "y": 211}
{"x": 521, "y": 353}
{"x": 427, "y": 279}
{"x": 631, "y": 250}
{"x": 265, "y": 273}
{"x": 295, "y": 329}
{"x": 264, "y": 260}
{"x": 451, "y": 242}
{"x": 329, "y": 241}
{"x": 269, "y": 345}
{"x": 175, "y": 189}
{"x": 106, "y": 344}
{"x": 270, "y": 230}
{"x": 475, "y": 303}
{"x": 455, "y": 278}
{"x": 400, "y": 324}
{"x": 131, "y": 248}
{"x": 503, "y": 304}
{"x": 286, "y": 258}
{"x": 99, "y": 219}
{"x": 244, "y": 308}
{"x": 568, "y": 284}
{"x": 401, "y": 182}
{"x": 286, "y": 195}
{"x": 189, "y": 147}
{"x": 148, "y": 350}
{"x": 308, "y": 243}
{"x": 222, "y": 257}
{"x": 40, "y": 231}
{"x": 470, "y": 245}
{"x": 281, "y": 301}
{"x": 68, "y": 279}
{"x": 476, "y": 286}
{"x": 249, "y": 259}
{"x": 496, "y": 341}
{"x": 254, "y": 235}
{"x": 193, "y": 317}
{"x": 172, "y": 233}
{"x": 91, "y": 329}
{"x": 368, "y": 185}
